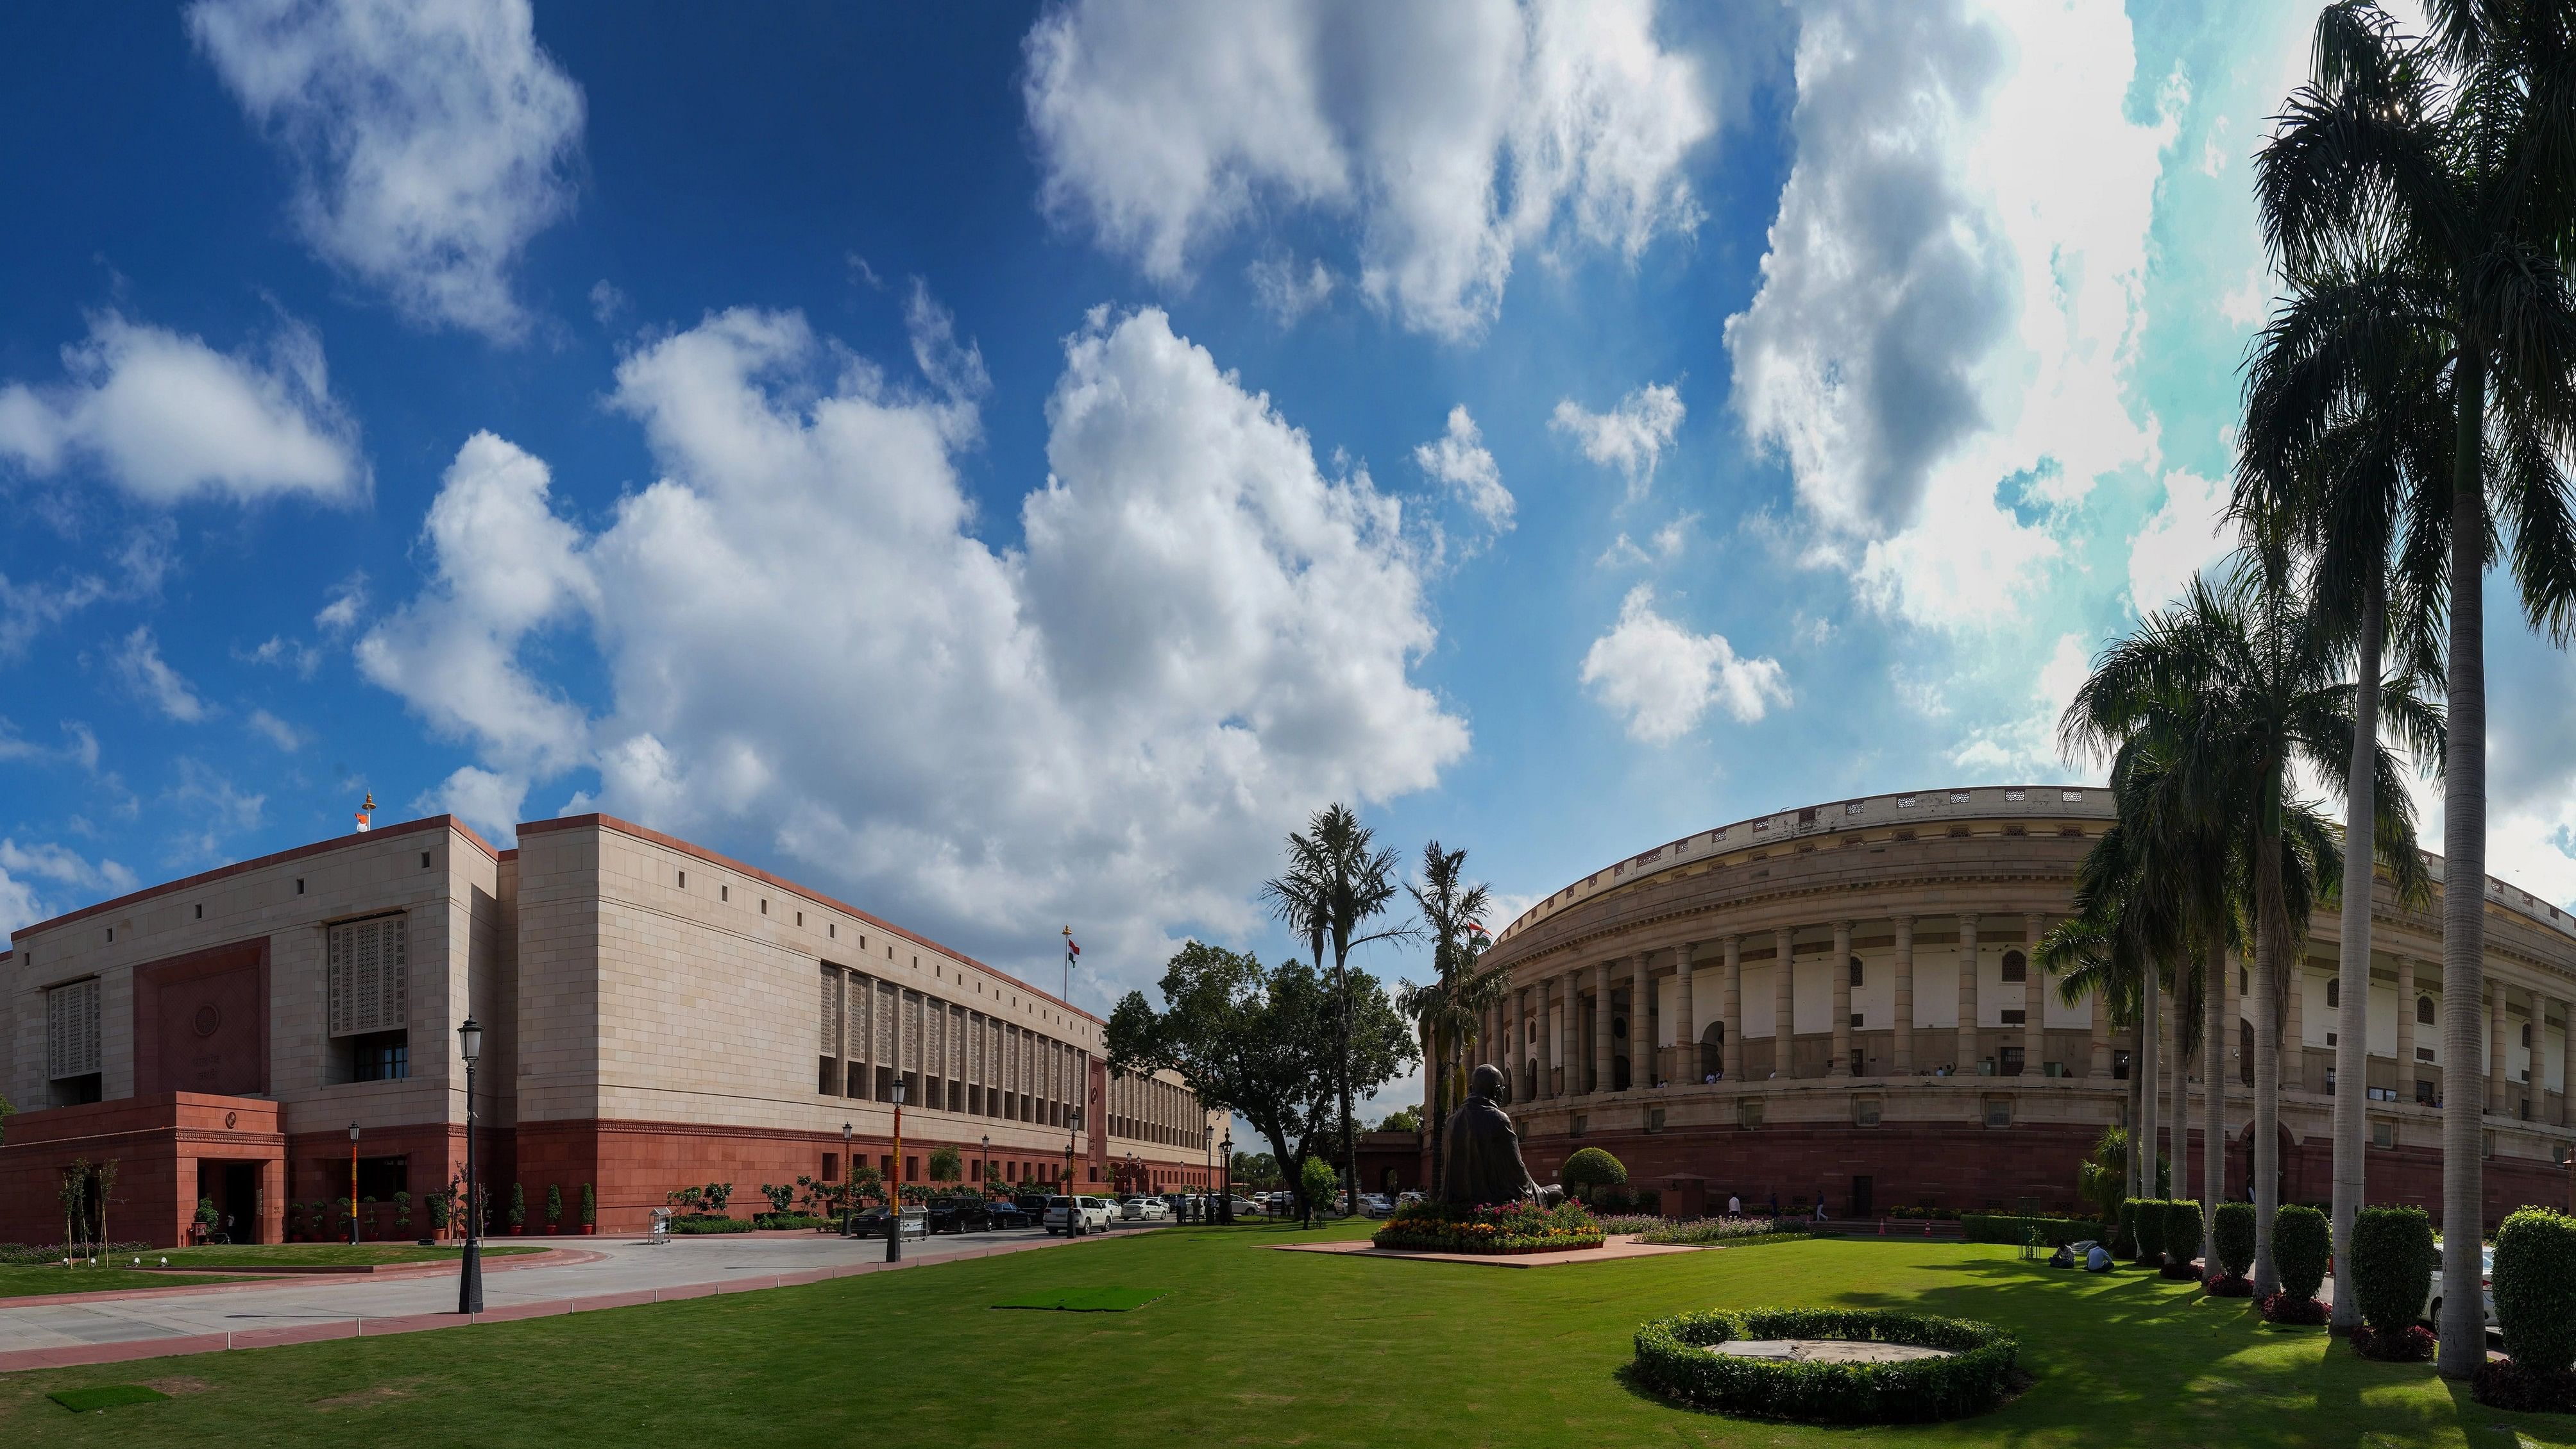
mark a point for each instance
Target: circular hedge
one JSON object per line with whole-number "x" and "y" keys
{"x": 1673, "y": 1359}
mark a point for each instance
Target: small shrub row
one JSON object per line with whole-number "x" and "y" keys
{"x": 1673, "y": 1359}
{"x": 2392, "y": 1275}
{"x": 776, "y": 1222}
{"x": 2511, "y": 1386}
{"x": 1614, "y": 1223}
{"x": 56, "y": 1252}
{"x": 1704, "y": 1231}
{"x": 2230, "y": 1285}
{"x": 702, "y": 1224}
{"x": 2288, "y": 1308}
{"x": 1519, "y": 1227}
{"x": 2004, "y": 1228}
{"x": 1924, "y": 1214}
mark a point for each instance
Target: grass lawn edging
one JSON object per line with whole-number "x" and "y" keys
{"x": 1673, "y": 1359}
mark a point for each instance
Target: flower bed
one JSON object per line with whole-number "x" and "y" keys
{"x": 2228, "y": 1285}
{"x": 1500, "y": 1228}
{"x": 1704, "y": 1231}
{"x": 2289, "y": 1308}
{"x": 2411, "y": 1344}
{"x": 1673, "y": 1359}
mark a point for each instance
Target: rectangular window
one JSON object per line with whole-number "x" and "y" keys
{"x": 1855, "y": 1021}
{"x": 383, "y": 1056}
{"x": 1865, "y": 1112}
{"x": 1748, "y": 1113}
{"x": 2014, "y": 1016}
{"x": 1654, "y": 1119}
{"x": 370, "y": 976}
{"x": 1999, "y": 1111}
{"x": 1575, "y": 1127}
{"x": 71, "y": 1030}
{"x": 831, "y": 1167}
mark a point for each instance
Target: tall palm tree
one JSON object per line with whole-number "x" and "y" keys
{"x": 1450, "y": 1009}
{"x": 1337, "y": 882}
{"x": 2226, "y": 691}
{"x": 2452, "y": 152}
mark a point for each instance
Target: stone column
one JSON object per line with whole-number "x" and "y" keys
{"x": 2405, "y": 1028}
{"x": 1904, "y": 1063}
{"x": 2233, "y": 1058}
{"x": 1569, "y": 1019}
{"x": 1641, "y": 1024}
{"x": 1966, "y": 1064}
{"x": 1731, "y": 1000}
{"x": 2566, "y": 1063}
{"x": 1841, "y": 1065}
{"x": 1685, "y": 1023}
{"x": 2294, "y": 1028}
{"x": 2497, "y": 1056}
{"x": 1601, "y": 1047}
{"x": 2034, "y": 1000}
{"x": 1784, "y": 1006}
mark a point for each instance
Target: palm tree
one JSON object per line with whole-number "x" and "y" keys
{"x": 1450, "y": 1010}
{"x": 1335, "y": 884}
{"x": 2224, "y": 693}
{"x": 2452, "y": 154}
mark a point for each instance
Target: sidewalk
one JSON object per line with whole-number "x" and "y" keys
{"x": 603, "y": 1273}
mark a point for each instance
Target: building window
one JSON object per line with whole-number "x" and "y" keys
{"x": 71, "y": 1031}
{"x": 684, "y": 880}
{"x": 424, "y": 860}
{"x": 1865, "y": 1111}
{"x": 383, "y": 1056}
{"x": 2119, "y": 1066}
{"x": 1748, "y": 1113}
{"x": 2016, "y": 967}
{"x": 2526, "y": 1035}
{"x": 2423, "y": 1093}
{"x": 831, "y": 1167}
{"x": 1999, "y": 1111}
{"x": 1855, "y": 1021}
{"x": 1654, "y": 1121}
{"x": 299, "y": 885}
{"x": 370, "y": 976}
{"x": 2383, "y": 1134}
{"x": 724, "y": 892}
{"x": 2015, "y": 1016}
{"x": 2423, "y": 1011}
{"x": 1855, "y": 971}
{"x": 381, "y": 1177}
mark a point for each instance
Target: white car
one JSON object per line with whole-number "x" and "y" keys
{"x": 1089, "y": 1214}
{"x": 2486, "y": 1275}
{"x": 1145, "y": 1209}
{"x": 1245, "y": 1207}
{"x": 1375, "y": 1204}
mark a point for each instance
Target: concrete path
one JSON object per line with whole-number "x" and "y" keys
{"x": 602, "y": 1273}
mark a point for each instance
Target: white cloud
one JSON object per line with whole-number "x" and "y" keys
{"x": 280, "y": 652}
{"x": 1287, "y": 293}
{"x": 348, "y": 603}
{"x": 29, "y": 609}
{"x": 1543, "y": 126}
{"x": 166, "y": 417}
{"x": 2188, "y": 533}
{"x": 21, "y": 866}
{"x": 2024, "y": 747}
{"x": 493, "y": 803}
{"x": 1662, "y": 678}
{"x": 138, "y": 663}
{"x": 1203, "y": 637}
{"x": 1662, "y": 547}
{"x": 1952, "y": 298}
{"x": 1459, "y": 462}
{"x": 430, "y": 141}
{"x": 1631, "y": 437}
{"x": 276, "y": 731}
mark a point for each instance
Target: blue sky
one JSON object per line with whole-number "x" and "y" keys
{"x": 1007, "y": 466}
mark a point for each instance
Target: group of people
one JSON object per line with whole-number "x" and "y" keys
{"x": 1735, "y": 1206}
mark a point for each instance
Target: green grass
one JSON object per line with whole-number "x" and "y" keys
{"x": 274, "y": 1255}
{"x": 27, "y": 1280}
{"x": 1253, "y": 1347}
{"x": 106, "y": 1396}
{"x": 1087, "y": 1300}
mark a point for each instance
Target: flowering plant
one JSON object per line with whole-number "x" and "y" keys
{"x": 1513, "y": 1227}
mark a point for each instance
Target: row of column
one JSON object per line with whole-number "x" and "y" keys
{"x": 1539, "y": 1024}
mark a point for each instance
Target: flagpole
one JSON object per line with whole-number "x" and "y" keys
{"x": 1073, "y": 1204}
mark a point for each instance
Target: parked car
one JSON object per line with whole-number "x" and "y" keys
{"x": 871, "y": 1222}
{"x": 1406, "y": 1196}
{"x": 1007, "y": 1213}
{"x": 1375, "y": 1205}
{"x": 2486, "y": 1283}
{"x": 1093, "y": 1214}
{"x": 1245, "y": 1207}
{"x": 960, "y": 1215}
{"x": 1144, "y": 1209}
{"x": 1032, "y": 1203}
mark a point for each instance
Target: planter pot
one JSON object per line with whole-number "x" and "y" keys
{"x": 589, "y": 1228}
{"x": 550, "y": 1230}
{"x": 517, "y": 1231}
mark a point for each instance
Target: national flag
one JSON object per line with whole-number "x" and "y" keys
{"x": 1070, "y": 949}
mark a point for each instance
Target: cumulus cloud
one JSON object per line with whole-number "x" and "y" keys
{"x": 23, "y": 866}
{"x": 492, "y": 802}
{"x": 1631, "y": 437}
{"x": 2186, "y": 534}
{"x": 166, "y": 417}
{"x": 1952, "y": 296}
{"x": 1662, "y": 678}
{"x": 1204, "y": 635}
{"x": 138, "y": 663}
{"x": 1549, "y": 126}
{"x": 429, "y": 142}
{"x": 1459, "y": 461}
{"x": 274, "y": 730}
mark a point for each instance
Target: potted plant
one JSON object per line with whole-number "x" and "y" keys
{"x": 348, "y": 1215}
{"x": 589, "y": 1211}
{"x": 205, "y": 1217}
{"x": 554, "y": 1208}
{"x": 402, "y": 1214}
{"x": 518, "y": 1210}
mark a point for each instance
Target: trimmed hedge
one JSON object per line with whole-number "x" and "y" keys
{"x": 2392, "y": 1268}
{"x": 707, "y": 1223}
{"x": 2302, "y": 1239}
{"x": 2182, "y": 1230}
{"x": 2124, "y": 1234}
{"x": 2149, "y": 1215}
{"x": 2235, "y": 1233}
{"x": 2535, "y": 1288}
{"x": 2005, "y": 1228}
{"x": 1673, "y": 1359}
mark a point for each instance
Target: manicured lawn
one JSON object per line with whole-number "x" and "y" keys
{"x": 24, "y": 1280}
{"x": 1252, "y": 1347}
{"x": 271, "y": 1255}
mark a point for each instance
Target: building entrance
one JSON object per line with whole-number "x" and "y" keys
{"x": 233, "y": 1187}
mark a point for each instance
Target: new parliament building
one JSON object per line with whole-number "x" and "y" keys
{"x": 1838, "y": 1003}
{"x": 655, "y": 1017}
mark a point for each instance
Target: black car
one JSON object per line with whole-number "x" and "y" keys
{"x": 1009, "y": 1214}
{"x": 960, "y": 1215}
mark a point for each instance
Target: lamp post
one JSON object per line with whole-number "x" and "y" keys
{"x": 469, "y": 1280}
{"x": 1225, "y": 1200}
{"x": 353, "y": 1184}
{"x": 849, "y": 1179}
{"x": 1073, "y": 1226}
{"x": 1209, "y": 1179}
{"x": 984, "y": 1167}
{"x": 894, "y": 1194}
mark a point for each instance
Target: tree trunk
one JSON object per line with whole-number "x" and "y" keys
{"x": 2137, "y": 1113}
{"x": 1350, "y": 1149}
{"x": 2464, "y": 873}
{"x": 2267, "y": 1056}
{"x": 2150, "y": 1047}
{"x": 2178, "y": 1125}
{"x": 1435, "y": 1102}
{"x": 2352, "y": 1022}
{"x": 2214, "y": 1040}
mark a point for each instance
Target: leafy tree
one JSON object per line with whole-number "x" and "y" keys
{"x": 1450, "y": 1011}
{"x": 2450, "y": 157}
{"x": 946, "y": 1166}
{"x": 1265, "y": 1043}
{"x": 1590, "y": 1170}
{"x": 1403, "y": 1119}
{"x": 1256, "y": 1169}
{"x": 518, "y": 1205}
{"x": 1315, "y": 1184}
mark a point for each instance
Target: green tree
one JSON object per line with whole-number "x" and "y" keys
{"x": 1403, "y": 1119}
{"x": 1449, "y": 1012}
{"x": 1314, "y": 1187}
{"x": 1589, "y": 1170}
{"x": 1264, "y": 1043}
{"x": 1337, "y": 882}
{"x": 947, "y": 1166}
{"x": 2451, "y": 154}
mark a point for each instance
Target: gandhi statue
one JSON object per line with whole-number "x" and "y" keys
{"x": 1481, "y": 1161}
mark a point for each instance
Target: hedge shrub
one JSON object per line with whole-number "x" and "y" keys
{"x": 2302, "y": 1239}
{"x": 1498, "y": 1228}
{"x": 2182, "y": 1237}
{"x": 2149, "y": 1216}
{"x": 1673, "y": 1359}
{"x": 2124, "y": 1236}
{"x": 2235, "y": 1232}
{"x": 2535, "y": 1288}
{"x": 701, "y": 1224}
{"x": 2004, "y": 1228}
{"x": 2392, "y": 1267}
{"x": 1591, "y": 1168}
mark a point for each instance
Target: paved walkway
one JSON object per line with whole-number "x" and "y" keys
{"x": 600, "y": 1273}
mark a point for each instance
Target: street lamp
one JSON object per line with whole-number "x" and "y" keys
{"x": 469, "y": 1279}
{"x": 894, "y": 1197}
{"x": 1225, "y": 1202}
{"x": 849, "y": 1179}
{"x": 984, "y": 1166}
{"x": 1073, "y": 1227}
{"x": 353, "y": 1184}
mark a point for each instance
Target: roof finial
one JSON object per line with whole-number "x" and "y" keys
{"x": 367, "y": 813}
